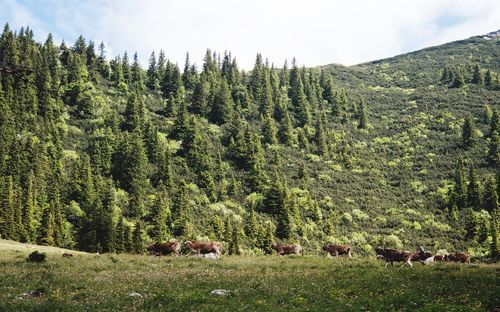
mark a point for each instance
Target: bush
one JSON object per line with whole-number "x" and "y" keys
{"x": 37, "y": 256}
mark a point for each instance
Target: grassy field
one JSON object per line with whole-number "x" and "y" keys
{"x": 303, "y": 283}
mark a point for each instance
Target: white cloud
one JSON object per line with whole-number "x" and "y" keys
{"x": 316, "y": 32}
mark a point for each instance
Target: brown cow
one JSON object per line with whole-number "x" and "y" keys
{"x": 336, "y": 250}
{"x": 458, "y": 257}
{"x": 286, "y": 249}
{"x": 391, "y": 255}
{"x": 165, "y": 248}
{"x": 67, "y": 255}
{"x": 203, "y": 247}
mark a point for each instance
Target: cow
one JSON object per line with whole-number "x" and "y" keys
{"x": 203, "y": 247}
{"x": 336, "y": 250}
{"x": 286, "y": 249}
{"x": 458, "y": 257}
{"x": 67, "y": 255}
{"x": 165, "y": 248}
{"x": 391, "y": 255}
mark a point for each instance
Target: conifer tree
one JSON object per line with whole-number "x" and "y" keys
{"x": 478, "y": 76}
{"x": 494, "y": 123}
{"x": 473, "y": 190}
{"x": 491, "y": 203}
{"x": 29, "y": 210}
{"x": 120, "y": 236}
{"x": 494, "y": 149}
{"x": 7, "y": 212}
{"x": 137, "y": 241}
{"x": 269, "y": 130}
{"x": 363, "y": 115}
{"x": 160, "y": 215}
{"x": 152, "y": 81}
{"x": 222, "y": 108}
{"x": 459, "y": 196}
{"x": 251, "y": 225}
{"x": 234, "y": 243}
{"x": 488, "y": 79}
{"x": 268, "y": 238}
{"x": 468, "y": 131}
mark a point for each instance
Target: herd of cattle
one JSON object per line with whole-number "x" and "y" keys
{"x": 389, "y": 255}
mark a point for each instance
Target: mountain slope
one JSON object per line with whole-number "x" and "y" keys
{"x": 105, "y": 156}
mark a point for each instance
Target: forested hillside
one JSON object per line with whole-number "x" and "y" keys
{"x": 102, "y": 155}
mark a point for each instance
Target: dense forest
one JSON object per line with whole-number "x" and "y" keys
{"x": 101, "y": 155}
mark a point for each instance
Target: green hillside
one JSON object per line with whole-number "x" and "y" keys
{"x": 103, "y": 155}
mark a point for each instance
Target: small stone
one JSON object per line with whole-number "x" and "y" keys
{"x": 135, "y": 295}
{"x": 220, "y": 292}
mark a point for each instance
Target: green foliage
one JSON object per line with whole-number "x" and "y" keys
{"x": 91, "y": 149}
{"x": 36, "y": 256}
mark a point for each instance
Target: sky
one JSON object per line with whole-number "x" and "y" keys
{"x": 315, "y": 32}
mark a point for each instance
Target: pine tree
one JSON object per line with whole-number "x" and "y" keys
{"x": 120, "y": 236}
{"x": 234, "y": 243}
{"x": 251, "y": 225}
{"x": 222, "y": 108}
{"x": 7, "y": 212}
{"x": 459, "y": 196}
{"x": 29, "y": 210}
{"x": 459, "y": 80}
{"x": 269, "y": 130}
{"x": 363, "y": 115}
{"x": 494, "y": 149}
{"x": 268, "y": 238}
{"x": 494, "y": 123}
{"x": 468, "y": 131}
{"x": 152, "y": 81}
{"x": 488, "y": 79}
{"x": 491, "y": 203}
{"x": 473, "y": 190}
{"x": 494, "y": 247}
{"x": 478, "y": 76}
{"x": 137, "y": 242}
{"x": 127, "y": 238}
{"x": 160, "y": 215}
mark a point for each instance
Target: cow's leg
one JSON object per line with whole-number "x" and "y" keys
{"x": 386, "y": 264}
{"x": 336, "y": 254}
{"x": 349, "y": 254}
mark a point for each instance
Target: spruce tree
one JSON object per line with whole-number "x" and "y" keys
{"x": 120, "y": 236}
{"x": 468, "y": 131}
{"x": 137, "y": 242}
{"x": 251, "y": 225}
{"x": 234, "y": 243}
{"x": 478, "y": 76}
{"x": 363, "y": 115}
{"x": 473, "y": 190}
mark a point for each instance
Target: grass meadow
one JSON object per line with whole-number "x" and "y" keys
{"x": 88, "y": 282}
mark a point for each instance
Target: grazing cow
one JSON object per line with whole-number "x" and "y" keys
{"x": 286, "y": 249}
{"x": 336, "y": 250}
{"x": 203, "y": 247}
{"x": 458, "y": 257}
{"x": 391, "y": 255}
{"x": 165, "y": 248}
{"x": 67, "y": 255}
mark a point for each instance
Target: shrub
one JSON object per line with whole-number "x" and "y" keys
{"x": 36, "y": 256}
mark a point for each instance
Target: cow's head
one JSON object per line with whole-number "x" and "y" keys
{"x": 325, "y": 247}
{"x": 274, "y": 246}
